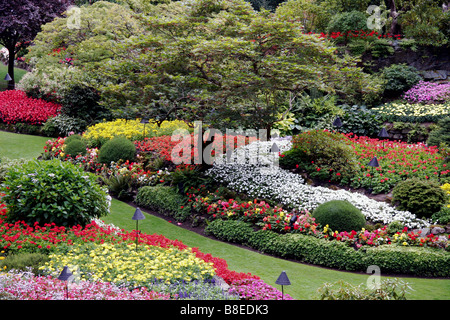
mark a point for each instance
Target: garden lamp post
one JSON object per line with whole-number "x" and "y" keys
{"x": 144, "y": 121}
{"x": 8, "y": 79}
{"x": 65, "y": 275}
{"x": 374, "y": 164}
{"x": 283, "y": 280}
{"x": 337, "y": 122}
{"x": 383, "y": 134}
{"x": 138, "y": 215}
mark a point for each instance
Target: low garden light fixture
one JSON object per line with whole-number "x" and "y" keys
{"x": 337, "y": 122}
{"x": 293, "y": 219}
{"x": 138, "y": 215}
{"x": 283, "y": 280}
{"x": 144, "y": 121}
{"x": 65, "y": 275}
{"x": 8, "y": 77}
{"x": 374, "y": 164}
{"x": 383, "y": 134}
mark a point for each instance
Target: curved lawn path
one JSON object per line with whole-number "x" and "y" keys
{"x": 305, "y": 279}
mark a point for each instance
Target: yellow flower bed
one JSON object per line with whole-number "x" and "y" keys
{"x": 446, "y": 188}
{"x": 123, "y": 264}
{"x": 131, "y": 129}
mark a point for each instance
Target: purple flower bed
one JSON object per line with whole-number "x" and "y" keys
{"x": 251, "y": 289}
{"x": 428, "y": 92}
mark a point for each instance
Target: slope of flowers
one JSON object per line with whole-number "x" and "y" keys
{"x": 16, "y": 107}
{"x": 289, "y": 189}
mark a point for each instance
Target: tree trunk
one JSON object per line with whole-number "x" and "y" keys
{"x": 395, "y": 27}
{"x": 11, "y": 83}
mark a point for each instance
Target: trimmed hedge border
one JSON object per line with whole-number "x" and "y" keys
{"x": 391, "y": 259}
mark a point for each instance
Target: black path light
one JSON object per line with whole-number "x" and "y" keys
{"x": 337, "y": 122}
{"x": 293, "y": 219}
{"x": 8, "y": 77}
{"x": 144, "y": 121}
{"x": 138, "y": 215}
{"x": 383, "y": 134}
{"x": 374, "y": 164}
{"x": 65, "y": 275}
{"x": 283, "y": 280}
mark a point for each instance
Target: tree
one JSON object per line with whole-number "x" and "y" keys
{"x": 225, "y": 64}
{"x": 21, "y": 20}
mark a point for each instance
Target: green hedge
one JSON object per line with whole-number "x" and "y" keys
{"x": 165, "y": 200}
{"x": 391, "y": 259}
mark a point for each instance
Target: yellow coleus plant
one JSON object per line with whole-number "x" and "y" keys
{"x": 129, "y": 265}
{"x": 131, "y": 129}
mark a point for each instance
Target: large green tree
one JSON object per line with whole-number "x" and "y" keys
{"x": 222, "y": 62}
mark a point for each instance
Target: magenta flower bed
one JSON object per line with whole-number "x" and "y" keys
{"x": 26, "y": 286}
{"x": 254, "y": 289}
{"x": 428, "y": 92}
{"x": 16, "y": 107}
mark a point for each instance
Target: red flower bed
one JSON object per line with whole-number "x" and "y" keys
{"x": 21, "y": 237}
{"x": 16, "y": 107}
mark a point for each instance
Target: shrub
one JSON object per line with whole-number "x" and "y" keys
{"x": 324, "y": 153}
{"x": 442, "y": 216}
{"x": 75, "y": 147}
{"x": 24, "y": 262}
{"x": 390, "y": 289}
{"x": 165, "y": 200}
{"x": 399, "y": 78}
{"x": 53, "y": 192}
{"x": 421, "y": 197}
{"x": 395, "y": 226}
{"x": 236, "y": 231}
{"x": 339, "y": 215}
{"x": 348, "y": 21}
{"x": 440, "y": 135}
{"x": 61, "y": 125}
{"x": 6, "y": 164}
{"x": 118, "y": 148}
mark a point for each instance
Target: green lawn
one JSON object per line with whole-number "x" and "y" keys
{"x": 305, "y": 279}
{"x": 16, "y": 146}
{"x": 18, "y": 74}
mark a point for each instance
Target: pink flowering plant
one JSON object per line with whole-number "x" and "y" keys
{"x": 428, "y": 92}
{"x": 251, "y": 289}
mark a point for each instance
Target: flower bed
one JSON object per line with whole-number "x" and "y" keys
{"x": 16, "y": 107}
{"x": 428, "y": 92}
{"x": 413, "y": 112}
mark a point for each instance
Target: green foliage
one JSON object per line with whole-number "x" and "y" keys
{"x": 399, "y": 78}
{"x": 441, "y": 134}
{"x": 53, "y": 191}
{"x": 421, "y": 197}
{"x": 324, "y": 154}
{"x": 360, "y": 120}
{"x": 390, "y": 289}
{"x": 313, "y": 15}
{"x": 24, "y": 262}
{"x": 339, "y": 215}
{"x": 425, "y": 22}
{"x": 442, "y": 216}
{"x": 348, "y": 21}
{"x": 120, "y": 185}
{"x": 75, "y": 147}
{"x": 236, "y": 231}
{"x": 118, "y": 148}
{"x": 395, "y": 226}
{"x": 165, "y": 200}
{"x": 82, "y": 102}
{"x": 334, "y": 254}
{"x": 6, "y": 164}
{"x": 72, "y": 137}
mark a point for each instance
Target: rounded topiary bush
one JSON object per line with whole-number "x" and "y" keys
{"x": 420, "y": 197}
{"x": 53, "y": 192}
{"x": 339, "y": 215}
{"x": 72, "y": 137}
{"x": 118, "y": 148}
{"x": 75, "y": 147}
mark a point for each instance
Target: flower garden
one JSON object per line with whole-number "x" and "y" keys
{"x": 321, "y": 185}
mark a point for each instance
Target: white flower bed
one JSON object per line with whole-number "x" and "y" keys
{"x": 265, "y": 180}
